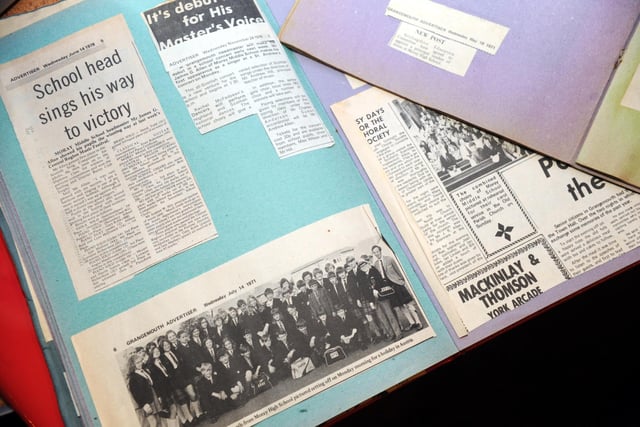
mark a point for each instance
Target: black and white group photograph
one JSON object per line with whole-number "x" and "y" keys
{"x": 272, "y": 340}
{"x": 456, "y": 152}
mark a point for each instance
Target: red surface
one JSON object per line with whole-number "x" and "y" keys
{"x": 25, "y": 382}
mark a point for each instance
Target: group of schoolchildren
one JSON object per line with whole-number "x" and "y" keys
{"x": 206, "y": 369}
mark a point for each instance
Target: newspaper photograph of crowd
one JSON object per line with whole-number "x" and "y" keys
{"x": 239, "y": 357}
{"x": 458, "y": 153}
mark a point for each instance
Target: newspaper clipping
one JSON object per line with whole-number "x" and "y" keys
{"x": 442, "y": 36}
{"x": 111, "y": 175}
{"x": 259, "y": 334}
{"x": 497, "y": 224}
{"x": 227, "y": 63}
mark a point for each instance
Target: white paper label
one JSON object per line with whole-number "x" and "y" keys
{"x": 353, "y": 82}
{"x": 451, "y": 23}
{"x": 433, "y": 49}
{"x": 631, "y": 98}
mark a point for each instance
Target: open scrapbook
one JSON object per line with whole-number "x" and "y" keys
{"x": 218, "y": 230}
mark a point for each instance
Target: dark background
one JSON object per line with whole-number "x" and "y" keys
{"x": 574, "y": 364}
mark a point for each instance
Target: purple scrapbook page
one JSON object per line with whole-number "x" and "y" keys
{"x": 539, "y": 87}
